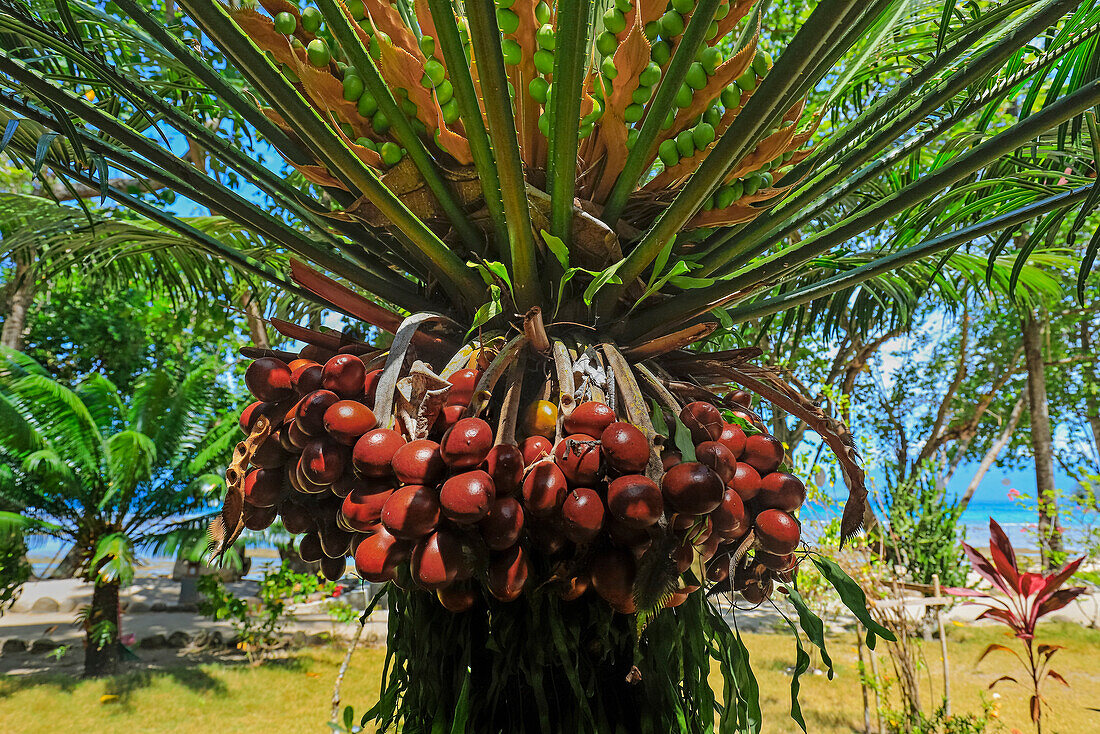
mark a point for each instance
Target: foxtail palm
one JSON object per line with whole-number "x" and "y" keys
{"x": 613, "y": 181}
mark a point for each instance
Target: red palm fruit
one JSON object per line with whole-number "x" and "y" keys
{"x": 670, "y": 457}
{"x": 373, "y": 452}
{"x": 703, "y": 420}
{"x": 377, "y": 556}
{"x": 578, "y": 455}
{"x": 269, "y": 454}
{"x": 448, "y": 416}
{"x": 682, "y": 522}
{"x": 777, "y": 532}
{"x": 788, "y": 573}
{"x": 296, "y": 436}
{"x": 684, "y": 555}
{"x": 349, "y": 482}
{"x": 692, "y": 488}
{"x": 345, "y": 375}
{"x": 294, "y": 364}
{"x": 437, "y": 560}
{"x": 745, "y": 482}
{"x": 370, "y": 385}
{"x": 305, "y": 484}
{"x": 574, "y": 588}
{"x": 335, "y": 540}
{"x": 733, "y": 438}
{"x": 635, "y": 501}
{"x": 534, "y": 448}
{"x": 258, "y": 518}
{"x": 263, "y": 487}
{"x": 362, "y": 510}
{"x": 708, "y": 546}
{"x": 347, "y": 420}
{"x": 333, "y": 568}
{"x": 323, "y": 461}
{"x": 612, "y": 572}
{"x": 718, "y": 568}
{"x": 589, "y": 418}
{"x": 309, "y": 413}
{"x": 507, "y": 574}
{"x": 750, "y": 417}
{"x": 626, "y": 536}
{"x": 411, "y": 512}
{"x": 718, "y": 457}
{"x": 677, "y": 598}
{"x": 419, "y": 462}
{"x": 457, "y": 597}
{"x": 273, "y": 411}
{"x": 741, "y": 397}
{"x": 286, "y": 441}
{"x": 502, "y": 525}
{"x": 465, "y": 498}
{"x": 774, "y": 562}
{"x": 763, "y": 453}
{"x": 306, "y": 378}
{"x": 463, "y": 383}
{"x": 730, "y": 520}
{"x": 268, "y": 379}
{"x": 781, "y": 491}
{"x": 296, "y": 519}
{"x": 466, "y": 444}
{"x": 625, "y": 447}
{"x": 544, "y": 489}
{"x": 309, "y": 548}
{"x": 582, "y": 515}
{"x": 505, "y": 465}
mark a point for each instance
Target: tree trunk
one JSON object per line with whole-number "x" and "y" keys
{"x": 15, "y": 321}
{"x": 102, "y": 632}
{"x": 1092, "y": 403}
{"x": 1042, "y": 444}
{"x": 69, "y": 565}
{"x": 257, "y": 329}
{"x": 994, "y": 451}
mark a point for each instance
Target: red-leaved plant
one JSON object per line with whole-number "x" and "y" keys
{"x": 1023, "y": 600}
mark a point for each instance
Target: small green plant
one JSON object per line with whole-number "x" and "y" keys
{"x": 258, "y": 623}
{"x": 14, "y": 569}
{"x": 923, "y": 531}
{"x": 906, "y": 721}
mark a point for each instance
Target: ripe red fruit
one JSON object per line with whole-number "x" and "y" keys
{"x": 377, "y": 556}
{"x": 370, "y": 385}
{"x": 733, "y": 438}
{"x": 534, "y": 448}
{"x": 333, "y": 569}
{"x": 448, "y": 416}
{"x": 347, "y": 420}
{"x": 335, "y": 540}
{"x": 309, "y": 413}
{"x": 295, "y": 436}
{"x": 255, "y": 410}
{"x": 774, "y": 562}
{"x": 582, "y": 515}
{"x": 777, "y": 532}
{"x": 763, "y": 453}
{"x": 258, "y": 518}
{"x": 730, "y": 520}
{"x": 323, "y": 461}
{"x": 625, "y": 447}
{"x": 670, "y": 457}
{"x": 612, "y": 572}
{"x": 457, "y": 598}
{"x": 635, "y": 501}
{"x": 741, "y": 397}
{"x": 703, "y": 420}
{"x": 578, "y": 455}
{"x": 373, "y": 453}
{"x": 589, "y": 418}
{"x": 544, "y": 489}
{"x": 781, "y": 491}
{"x": 465, "y": 498}
{"x": 463, "y": 382}
{"x": 263, "y": 487}
{"x": 411, "y": 512}
{"x": 750, "y": 417}
{"x": 268, "y": 379}
{"x": 296, "y": 519}
{"x": 746, "y": 481}
{"x": 362, "y": 510}
{"x": 305, "y": 485}
{"x": 349, "y": 482}
{"x": 345, "y": 375}
{"x": 306, "y": 377}
{"x": 467, "y": 443}
{"x": 507, "y": 574}
{"x": 718, "y": 569}
{"x": 505, "y": 465}
{"x": 718, "y": 457}
{"x": 419, "y": 462}
{"x": 692, "y": 488}
{"x": 574, "y": 588}
{"x": 626, "y": 536}
{"x": 309, "y": 548}
{"x": 269, "y": 454}
{"x": 437, "y": 560}
{"x": 501, "y": 527}
{"x": 684, "y": 555}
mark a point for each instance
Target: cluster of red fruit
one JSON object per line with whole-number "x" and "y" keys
{"x": 457, "y": 507}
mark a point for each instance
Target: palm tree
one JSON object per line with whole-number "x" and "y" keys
{"x": 108, "y": 474}
{"x": 629, "y": 174}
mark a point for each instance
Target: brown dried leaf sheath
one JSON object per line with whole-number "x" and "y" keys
{"x": 227, "y": 526}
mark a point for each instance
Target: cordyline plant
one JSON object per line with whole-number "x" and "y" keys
{"x": 550, "y": 207}
{"x": 1024, "y": 599}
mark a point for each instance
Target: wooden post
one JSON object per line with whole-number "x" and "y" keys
{"x": 878, "y": 702}
{"x": 863, "y": 684}
{"x": 943, "y": 645}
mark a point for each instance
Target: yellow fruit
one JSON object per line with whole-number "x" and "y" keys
{"x": 540, "y": 418}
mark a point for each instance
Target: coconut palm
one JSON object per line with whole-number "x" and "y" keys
{"x": 630, "y": 174}
{"x": 108, "y": 473}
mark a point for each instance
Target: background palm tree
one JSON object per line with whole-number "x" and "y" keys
{"x": 109, "y": 473}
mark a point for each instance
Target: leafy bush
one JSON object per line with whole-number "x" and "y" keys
{"x": 923, "y": 532}
{"x": 14, "y": 569}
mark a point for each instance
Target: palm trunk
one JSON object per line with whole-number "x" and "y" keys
{"x": 257, "y": 329}
{"x": 102, "y": 632}
{"x": 13, "y": 334}
{"x": 1042, "y": 444}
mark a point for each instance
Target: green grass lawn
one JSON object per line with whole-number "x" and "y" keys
{"x": 294, "y": 694}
